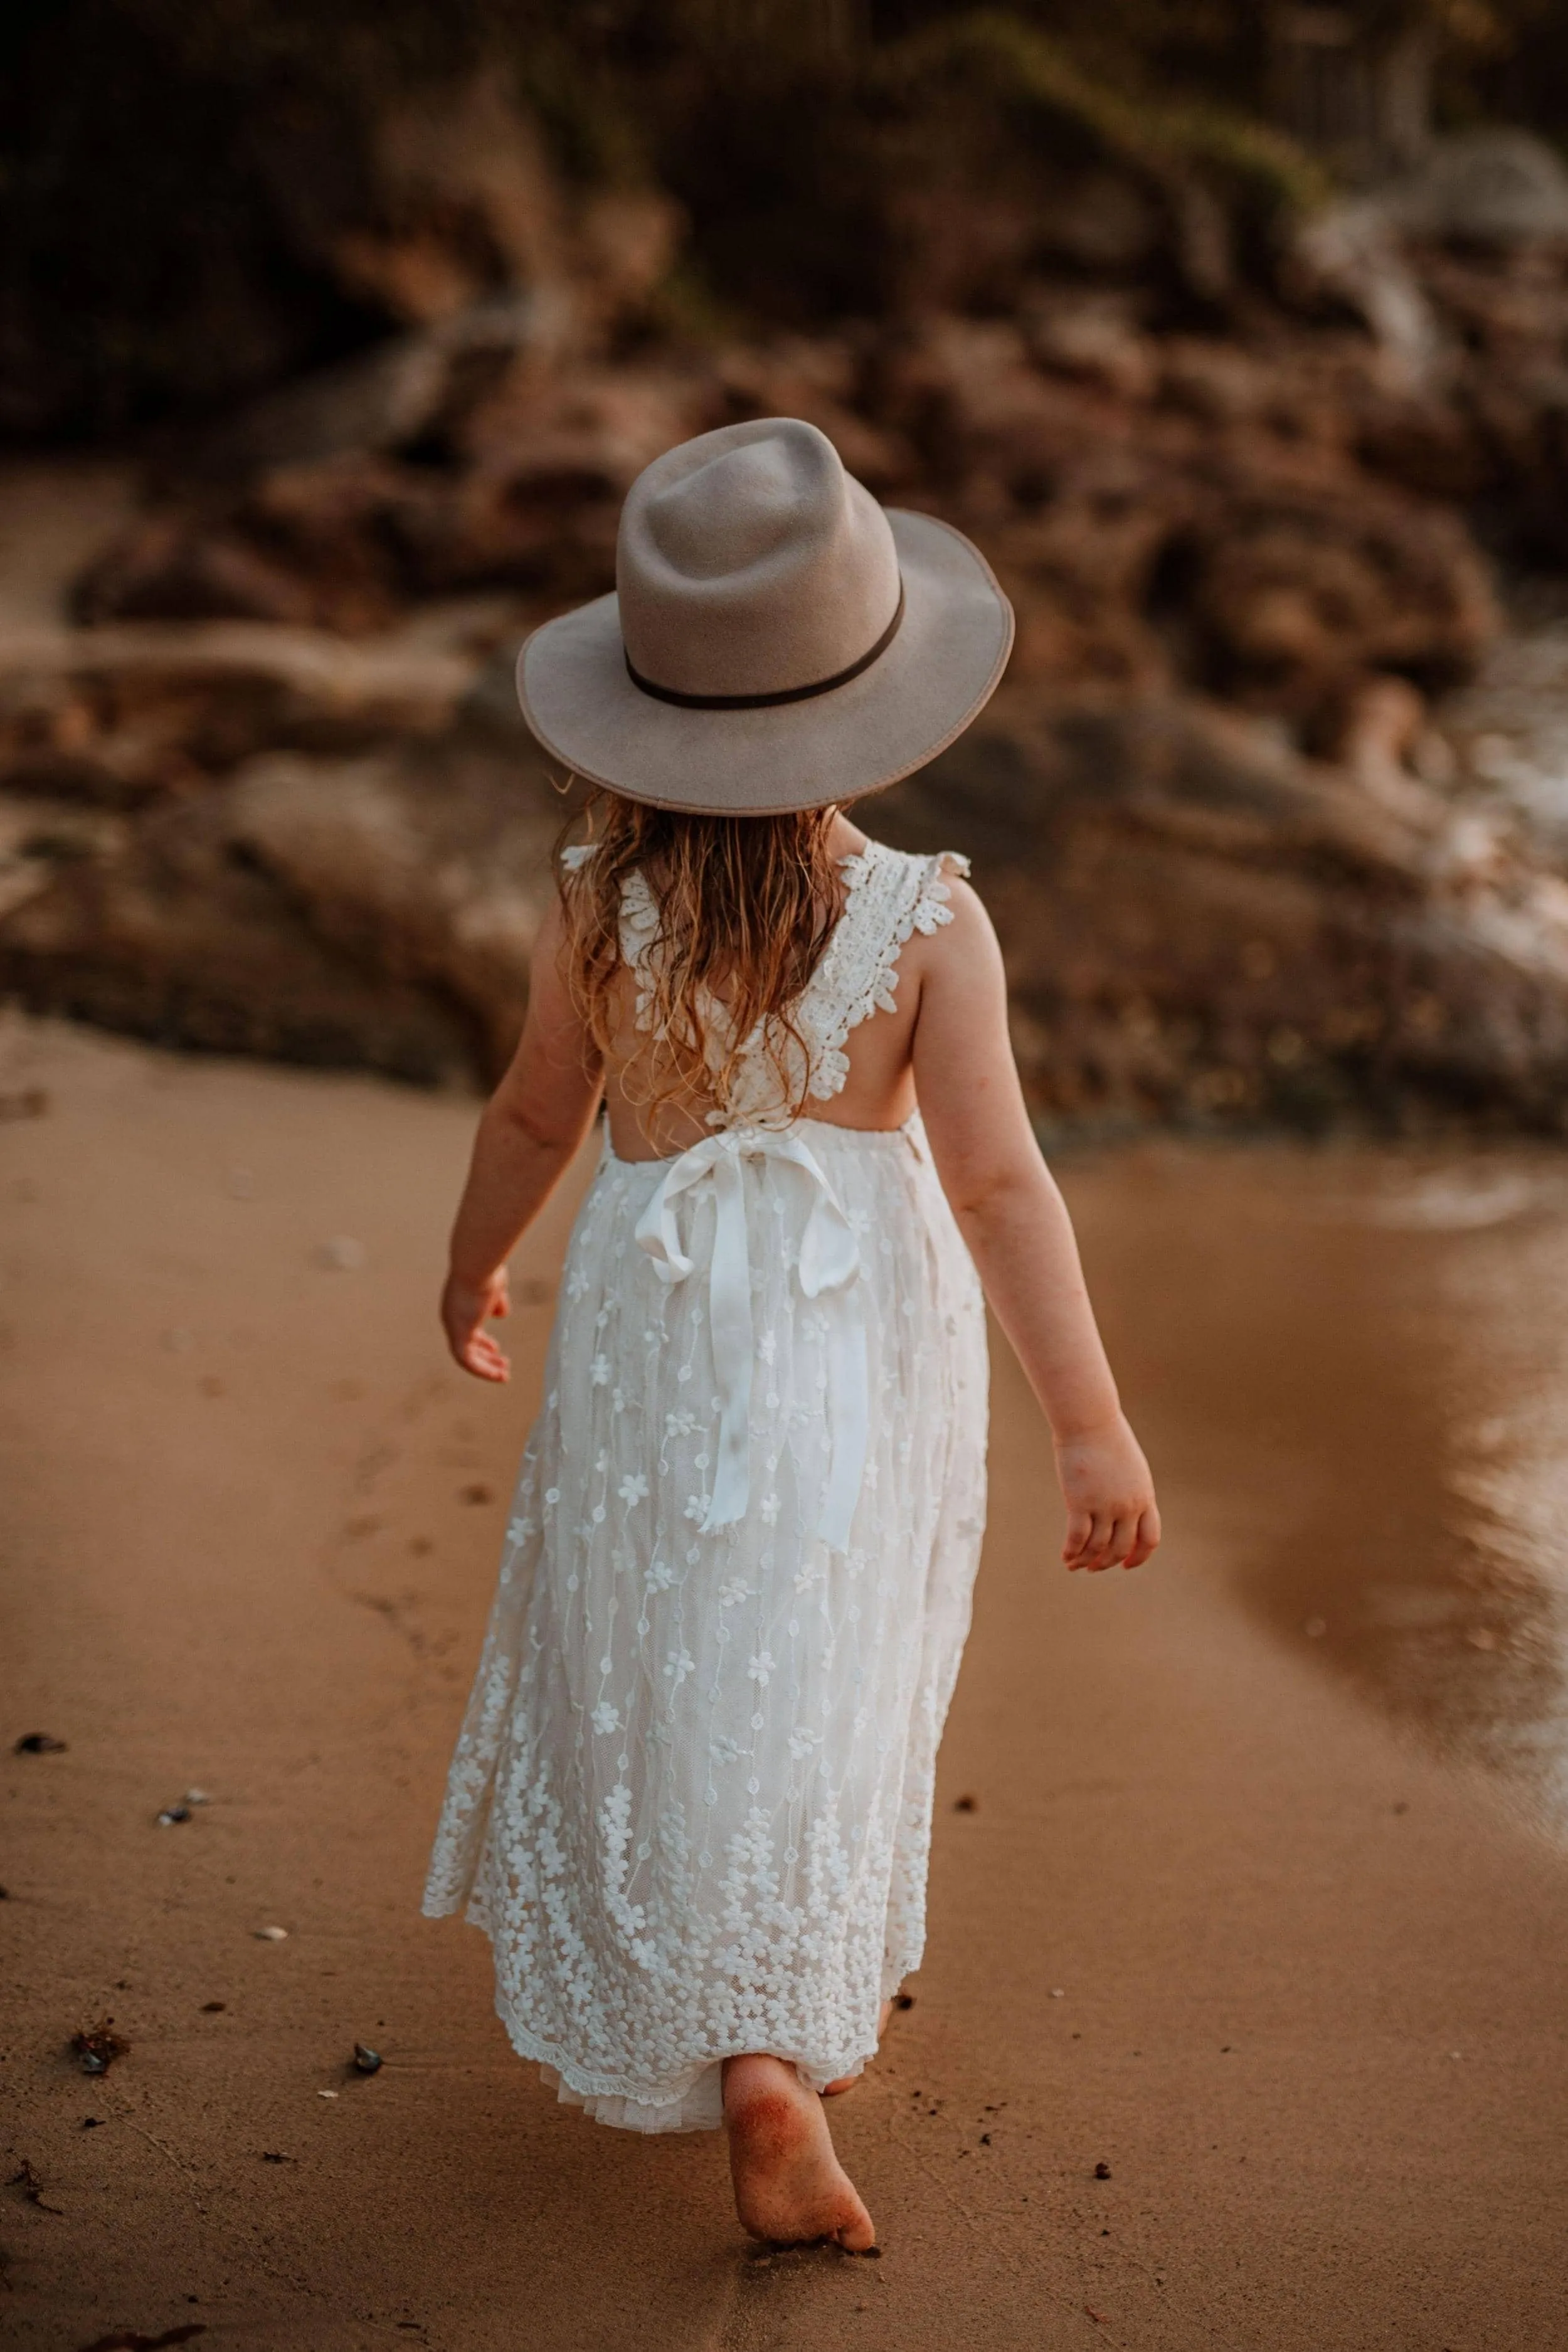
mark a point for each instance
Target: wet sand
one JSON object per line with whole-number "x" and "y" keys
{"x": 1261, "y": 1901}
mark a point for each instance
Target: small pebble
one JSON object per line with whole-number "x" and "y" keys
{"x": 40, "y": 1743}
{"x": 271, "y": 1935}
{"x": 342, "y": 1255}
{"x": 96, "y": 2048}
{"x": 195, "y": 1797}
{"x": 965, "y": 1804}
{"x": 326, "y": 2094}
{"x": 367, "y": 2061}
{"x": 1103, "y": 2171}
{"x": 173, "y": 1813}
{"x": 1058, "y": 1992}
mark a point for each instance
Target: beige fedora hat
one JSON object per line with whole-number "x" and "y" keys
{"x": 776, "y": 640}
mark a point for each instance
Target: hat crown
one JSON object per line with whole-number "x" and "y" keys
{"x": 748, "y": 562}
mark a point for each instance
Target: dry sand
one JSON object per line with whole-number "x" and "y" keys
{"x": 1257, "y": 1917}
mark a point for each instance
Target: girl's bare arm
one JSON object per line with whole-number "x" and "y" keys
{"x": 531, "y": 1129}
{"x": 1017, "y": 1226}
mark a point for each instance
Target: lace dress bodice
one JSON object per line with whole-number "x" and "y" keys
{"x": 889, "y": 893}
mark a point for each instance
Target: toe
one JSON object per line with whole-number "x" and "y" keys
{"x": 856, "y": 2235}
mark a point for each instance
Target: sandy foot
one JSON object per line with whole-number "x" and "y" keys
{"x": 790, "y": 2187}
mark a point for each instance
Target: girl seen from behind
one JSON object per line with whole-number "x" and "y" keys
{"x": 692, "y": 1800}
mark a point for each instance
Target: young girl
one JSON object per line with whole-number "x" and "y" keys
{"x": 692, "y": 1800}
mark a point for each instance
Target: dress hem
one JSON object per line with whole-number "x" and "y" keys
{"x": 691, "y": 2101}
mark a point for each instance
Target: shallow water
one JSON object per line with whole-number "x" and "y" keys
{"x": 1353, "y": 1363}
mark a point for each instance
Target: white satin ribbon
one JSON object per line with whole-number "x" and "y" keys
{"x": 829, "y": 1269}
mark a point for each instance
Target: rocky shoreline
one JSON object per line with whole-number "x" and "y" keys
{"x": 263, "y": 787}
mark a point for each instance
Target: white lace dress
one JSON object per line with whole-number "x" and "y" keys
{"x": 691, "y": 1803}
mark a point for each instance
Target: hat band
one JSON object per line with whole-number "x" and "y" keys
{"x": 784, "y": 694}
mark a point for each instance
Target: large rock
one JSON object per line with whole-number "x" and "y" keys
{"x": 400, "y": 394}
{"x": 1490, "y": 186}
{"x": 1294, "y": 595}
{"x": 182, "y": 939}
{"x": 123, "y": 715}
{"x": 517, "y": 484}
{"x": 378, "y": 912}
{"x": 436, "y": 872}
{"x": 1199, "y": 925}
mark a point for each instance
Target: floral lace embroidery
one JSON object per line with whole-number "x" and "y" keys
{"x": 640, "y": 940}
{"x": 891, "y": 895}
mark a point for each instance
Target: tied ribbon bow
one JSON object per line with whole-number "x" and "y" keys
{"x": 828, "y": 1268}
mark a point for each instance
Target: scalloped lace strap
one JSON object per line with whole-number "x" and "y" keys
{"x": 639, "y": 923}
{"x": 932, "y": 908}
{"x": 891, "y": 894}
{"x": 640, "y": 936}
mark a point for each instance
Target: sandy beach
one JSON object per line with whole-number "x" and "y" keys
{"x": 1241, "y": 2023}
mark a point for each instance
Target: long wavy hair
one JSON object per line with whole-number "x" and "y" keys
{"x": 746, "y": 906}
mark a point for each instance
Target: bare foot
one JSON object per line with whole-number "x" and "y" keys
{"x": 790, "y": 2187}
{"x": 848, "y": 2081}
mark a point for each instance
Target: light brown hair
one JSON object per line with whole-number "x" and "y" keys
{"x": 745, "y": 904}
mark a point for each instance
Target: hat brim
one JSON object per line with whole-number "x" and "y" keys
{"x": 938, "y": 673}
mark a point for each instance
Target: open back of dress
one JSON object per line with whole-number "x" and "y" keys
{"x": 690, "y": 1803}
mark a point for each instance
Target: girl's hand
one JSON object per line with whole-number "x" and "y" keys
{"x": 466, "y": 1307}
{"x": 1112, "y": 1512}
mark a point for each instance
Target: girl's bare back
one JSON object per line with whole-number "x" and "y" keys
{"x": 878, "y": 1094}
